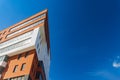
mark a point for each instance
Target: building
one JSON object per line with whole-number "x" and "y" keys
{"x": 25, "y": 49}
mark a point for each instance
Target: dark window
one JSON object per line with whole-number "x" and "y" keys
{"x": 27, "y": 53}
{"x": 29, "y": 78}
{"x": 6, "y": 58}
{"x": 40, "y": 64}
{"x": 39, "y": 51}
{"x": 23, "y": 66}
{"x": 15, "y": 68}
{"x": 19, "y": 56}
{"x": 40, "y": 77}
{"x": 0, "y": 39}
{"x": 37, "y": 46}
{"x": 37, "y": 75}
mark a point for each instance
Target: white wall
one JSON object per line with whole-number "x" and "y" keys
{"x": 42, "y": 51}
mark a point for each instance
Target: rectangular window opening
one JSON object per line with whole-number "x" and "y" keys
{"x": 19, "y": 56}
{"x": 23, "y": 66}
{"x": 15, "y": 68}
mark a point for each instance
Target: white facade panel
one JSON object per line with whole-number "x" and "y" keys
{"x": 19, "y": 46}
{"x": 42, "y": 51}
{"x": 16, "y": 39}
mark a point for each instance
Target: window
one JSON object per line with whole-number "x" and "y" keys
{"x": 23, "y": 66}
{"x": 0, "y": 39}
{"x": 17, "y": 78}
{"x": 15, "y": 68}
{"x": 40, "y": 64}
{"x": 29, "y": 78}
{"x": 1, "y": 58}
{"x": 19, "y": 56}
{"x": 40, "y": 77}
{"x": 39, "y": 51}
{"x": 37, "y": 45}
{"x": 37, "y": 75}
{"x": 22, "y": 78}
{"x": 27, "y": 53}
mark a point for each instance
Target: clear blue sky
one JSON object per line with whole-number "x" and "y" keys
{"x": 84, "y": 35}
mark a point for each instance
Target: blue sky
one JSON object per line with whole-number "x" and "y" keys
{"x": 84, "y": 35}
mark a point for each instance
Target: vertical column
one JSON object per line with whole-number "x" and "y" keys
{"x": 3, "y": 64}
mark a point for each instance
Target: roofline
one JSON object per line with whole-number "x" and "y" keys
{"x": 26, "y": 19}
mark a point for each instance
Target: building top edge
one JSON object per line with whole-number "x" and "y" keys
{"x": 26, "y": 19}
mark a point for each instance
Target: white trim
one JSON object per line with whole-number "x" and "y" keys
{"x": 16, "y": 39}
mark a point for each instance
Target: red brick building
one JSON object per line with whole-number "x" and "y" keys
{"x": 25, "y": 49}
